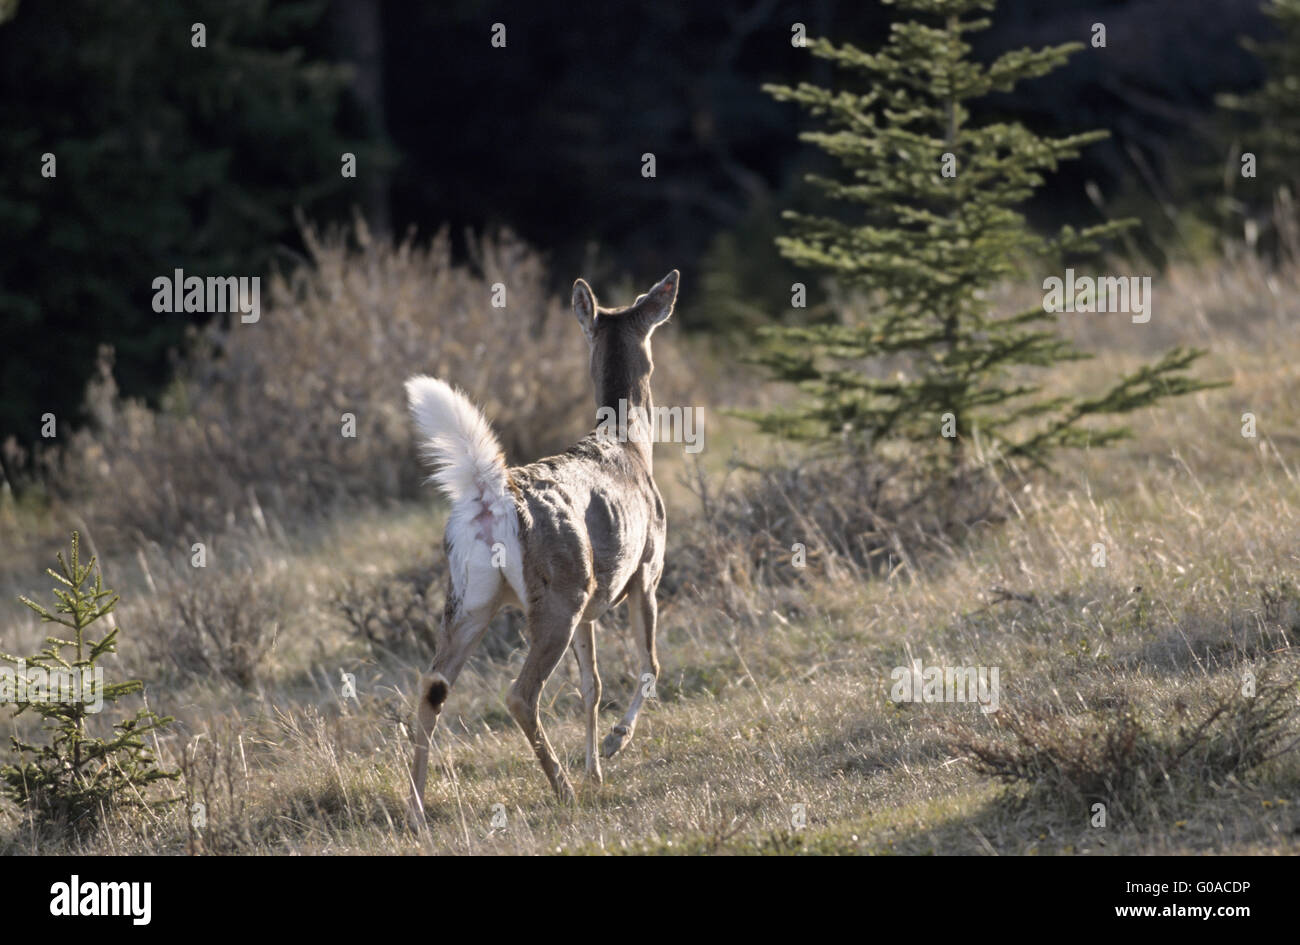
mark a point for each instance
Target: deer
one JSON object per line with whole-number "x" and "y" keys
{"x": 565, "y": 539}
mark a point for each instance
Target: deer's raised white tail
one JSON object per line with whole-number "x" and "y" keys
{"x": 482, "y": 536}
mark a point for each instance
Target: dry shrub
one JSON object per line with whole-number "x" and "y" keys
{"x": 218, "y": 622}
{"x": 255, "y": 418}
{"x": 227, "y": 627}
{"x": 1123, "y": 755}
{"x": 397, "y": 615}
{"x": 852, "y": 517}
{"x": 394, "y": 614}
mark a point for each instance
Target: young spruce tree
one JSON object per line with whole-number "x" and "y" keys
{"x": 1272, "y": 127}
{"x": 929, "y": 222}
{"x": 75, "y": 775}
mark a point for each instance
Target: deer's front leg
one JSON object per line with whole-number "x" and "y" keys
{"x": 643, "y": 613}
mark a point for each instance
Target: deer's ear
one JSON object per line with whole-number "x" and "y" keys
{"x": 657, "y": 304}
{"x": 584, "y": 307}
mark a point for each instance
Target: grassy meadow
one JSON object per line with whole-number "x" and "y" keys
{"x": 773, "y": 730}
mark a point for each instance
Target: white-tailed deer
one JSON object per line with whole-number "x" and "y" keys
{"x": 565, "y": 538}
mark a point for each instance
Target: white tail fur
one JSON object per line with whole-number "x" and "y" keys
{"x": 468, "y": 462}
{"x": 470, "y": 469}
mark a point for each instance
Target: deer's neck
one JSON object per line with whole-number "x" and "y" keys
{"x": 629, "y": 409}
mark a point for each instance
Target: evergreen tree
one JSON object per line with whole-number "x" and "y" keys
{"x": 166, "y": 154}
{"x": 930, "y": 222}
{"x": 75, "y": 775}
{"x": 1272, "y": 133}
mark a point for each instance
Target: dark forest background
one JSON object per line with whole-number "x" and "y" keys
{"x": 210, "y": 159}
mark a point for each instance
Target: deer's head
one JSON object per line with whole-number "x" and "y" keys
{"x": 619, "y": 340}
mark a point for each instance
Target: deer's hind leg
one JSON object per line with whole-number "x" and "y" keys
{"x": 551, "y": 625}
{"x": 461, "y": 632}
{"x": 584, "y": 649}
{"x": 643, "y": 613}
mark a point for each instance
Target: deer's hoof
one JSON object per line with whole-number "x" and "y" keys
{"x": 615, "y": 741}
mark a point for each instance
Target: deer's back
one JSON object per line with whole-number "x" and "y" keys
{"x": 591, "y": 518}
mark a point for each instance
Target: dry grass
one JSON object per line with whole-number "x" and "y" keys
{"x": 1127, "y": 757}
{"x": 775, "y": 691}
